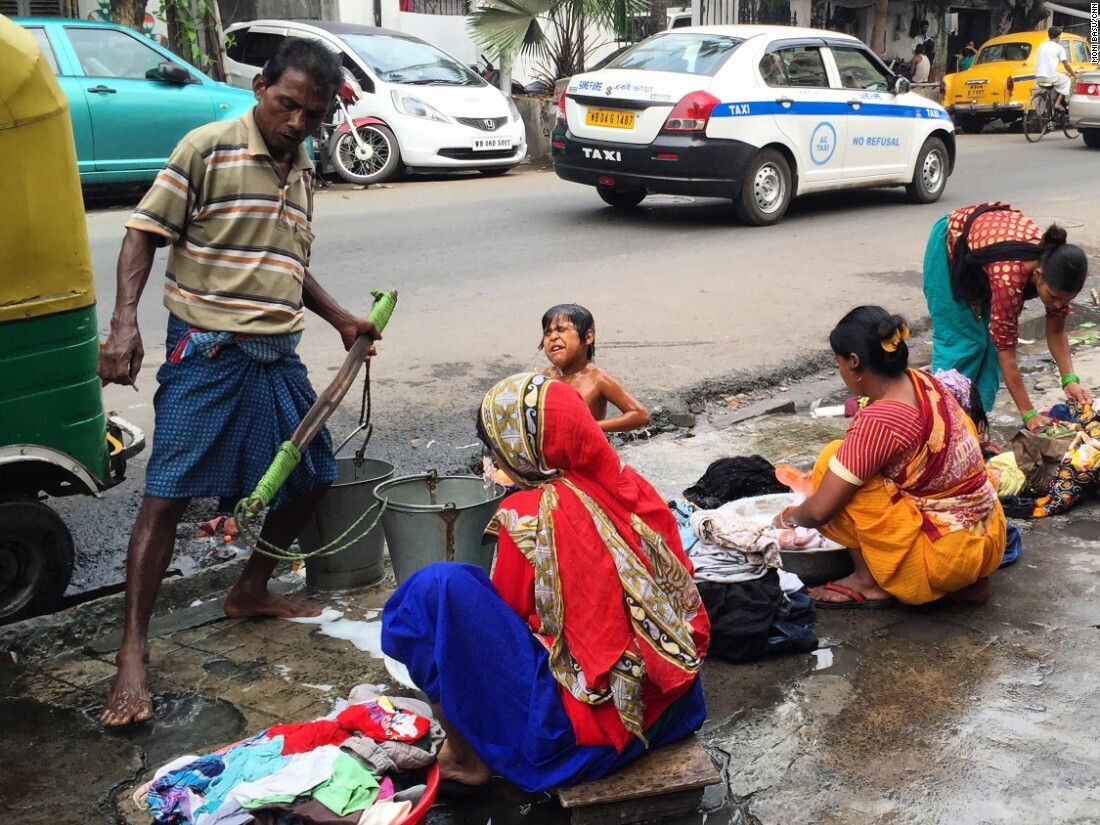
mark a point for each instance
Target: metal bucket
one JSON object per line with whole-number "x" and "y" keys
{"x": 430, "y": 518}
{"x": 351, "y": 495}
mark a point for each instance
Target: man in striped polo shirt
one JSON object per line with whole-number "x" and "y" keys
{"x": 234, "y": 202}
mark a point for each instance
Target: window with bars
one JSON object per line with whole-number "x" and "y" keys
{"x": 31, "y": 8}
{"x": 457, "y": 7}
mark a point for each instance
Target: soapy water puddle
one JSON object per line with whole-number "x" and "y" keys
{"x": 183, "y": 723}
{"x": 836, "y": 661}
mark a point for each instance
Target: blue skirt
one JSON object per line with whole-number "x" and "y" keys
{"x": 219, "y": 422}
{"x": 472, "y": 655}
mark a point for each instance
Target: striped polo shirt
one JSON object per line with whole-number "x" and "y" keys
{"x": 240, "y": 235}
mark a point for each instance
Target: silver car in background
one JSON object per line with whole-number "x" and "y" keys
{"x": 1084, "y": 107}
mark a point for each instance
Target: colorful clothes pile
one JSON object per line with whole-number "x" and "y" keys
{"x": 352, "y": 767}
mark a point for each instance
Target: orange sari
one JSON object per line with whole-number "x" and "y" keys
{"x": 931, "y": 525}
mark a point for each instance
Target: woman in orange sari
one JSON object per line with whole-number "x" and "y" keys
{"x": 906, "y": 490}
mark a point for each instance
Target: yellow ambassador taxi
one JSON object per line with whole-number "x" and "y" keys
{"x": 999, "y": 83}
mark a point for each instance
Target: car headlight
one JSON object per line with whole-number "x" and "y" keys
{"x": 513, "y": 108}
{"x": 416, "y": 107}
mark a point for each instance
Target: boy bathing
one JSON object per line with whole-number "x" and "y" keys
{"x": 569, "y": 341}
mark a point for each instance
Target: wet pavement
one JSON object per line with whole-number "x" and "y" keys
{"x": 947, "y": 713}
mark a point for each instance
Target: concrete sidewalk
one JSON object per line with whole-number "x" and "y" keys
{"x": 948, "y": 713}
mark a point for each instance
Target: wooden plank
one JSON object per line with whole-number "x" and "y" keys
{"x": 643, "y": 809}
{"x": 681, "y": 766}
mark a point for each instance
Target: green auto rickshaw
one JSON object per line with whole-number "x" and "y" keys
{"x": 55, "y": 438}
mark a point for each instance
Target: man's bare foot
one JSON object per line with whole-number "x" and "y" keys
{"x": 978, "y": 592}
{"x": 470, "y": 771}
{"x": 240, "y": 604}
{"x": 128, "y": 700}
{"x": 867, "y": 588}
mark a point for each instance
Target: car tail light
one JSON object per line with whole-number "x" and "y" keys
{"x": 1090, "y": 89}
{"x": 1010, "y": 85}
{"x": 561, "y": 107}
{"x": 692, "y": 113}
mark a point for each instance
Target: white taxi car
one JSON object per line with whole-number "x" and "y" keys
{"x": 758, "y": 114}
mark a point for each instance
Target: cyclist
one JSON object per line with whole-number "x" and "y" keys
{"x": 1049, "y": 56}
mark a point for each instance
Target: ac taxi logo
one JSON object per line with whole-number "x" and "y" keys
{"x": 822, "y": 143}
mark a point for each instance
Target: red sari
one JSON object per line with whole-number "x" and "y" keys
{"x": 591, "y": 560}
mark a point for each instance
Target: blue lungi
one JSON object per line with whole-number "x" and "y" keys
{"x": 220, "y": 421}
{"x": 470, "y": 653}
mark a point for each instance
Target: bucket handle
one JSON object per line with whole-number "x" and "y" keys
{"x": 449, "y": 514}
{"x": 364, "y": 421}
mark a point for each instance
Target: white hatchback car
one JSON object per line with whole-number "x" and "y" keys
{"x": 758, "y": 114}
{"x": 432, "y": 111}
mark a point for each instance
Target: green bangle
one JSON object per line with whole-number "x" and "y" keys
{"x": 1030, "y": 414}
{"x": 1070, "y": 378}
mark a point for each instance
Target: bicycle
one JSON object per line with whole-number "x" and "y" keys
{"x": 1042, "y": 116}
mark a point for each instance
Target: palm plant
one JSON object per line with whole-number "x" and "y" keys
{"x": 553, "y": 31}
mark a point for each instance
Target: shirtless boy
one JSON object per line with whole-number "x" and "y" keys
{"x": 569, "y": 341}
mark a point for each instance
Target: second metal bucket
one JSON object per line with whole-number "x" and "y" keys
{"x": 430, "y": 518}
{"x": 346, "y": 500}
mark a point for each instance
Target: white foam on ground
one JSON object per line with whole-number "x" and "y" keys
{"x": 329, "y": 614}
{"x": 324, "y": 688}
{"x": 367, "y": 636}
{"x": 824, "y": 658}
{"x": 399, "y": 672}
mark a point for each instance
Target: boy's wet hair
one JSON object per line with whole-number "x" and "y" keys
{"x": 582, "y": 320}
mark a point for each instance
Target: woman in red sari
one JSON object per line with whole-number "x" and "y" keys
{"x": 906, "y": 490}
{"x": 585, "y": 648}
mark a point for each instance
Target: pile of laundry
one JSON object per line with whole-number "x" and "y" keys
{"x": 1059, "y": 467}
{"x": 362, "y": 765}
{"x": 756, "y": 608}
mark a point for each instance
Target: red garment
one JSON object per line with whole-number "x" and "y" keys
{"x": 367, "y": 719}
{"x": 1008, "y": 282}
{"x": 305, "y": 736}
{"x": 596, "y": 624}
{"x": 373, "y": 721}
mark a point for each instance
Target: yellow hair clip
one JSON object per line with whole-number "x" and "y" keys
{"x": 892, "y": 341}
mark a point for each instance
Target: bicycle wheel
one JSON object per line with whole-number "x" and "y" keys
{"x": 1070, "y": 130}
{"x": 1036, "y": 118}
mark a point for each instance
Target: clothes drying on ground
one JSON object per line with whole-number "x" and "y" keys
{"x": 257, "y": 780}
{"x": 752, "y": 619}
{"x": 729, "y": 479}
{"x": 553, "y": 671}
{"x": 925, "y": 515}
{"x": 1007, "y": 476}
{"x": 1078, "y": 470}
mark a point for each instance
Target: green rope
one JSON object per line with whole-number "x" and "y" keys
{"x": 382, "y": 309}
{"x": 286, "y": 459}
{"x": 245, "y": 517}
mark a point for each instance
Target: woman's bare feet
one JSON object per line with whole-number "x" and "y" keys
{"x": 863, "y": 585}
{"x": 242, "y": 604}
{"x": 462, "y": 765}
{"x": 128, "y": 700}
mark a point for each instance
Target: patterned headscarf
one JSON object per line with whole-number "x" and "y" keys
{"x": 616, "y": 605}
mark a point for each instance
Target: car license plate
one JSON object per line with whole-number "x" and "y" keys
{"x": 491, "y": 144}
{"x": 612, "y": 118}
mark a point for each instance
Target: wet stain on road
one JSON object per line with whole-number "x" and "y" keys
{"x": 59, "y": 767}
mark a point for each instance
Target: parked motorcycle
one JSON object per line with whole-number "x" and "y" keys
{"x": 361, "y": 150}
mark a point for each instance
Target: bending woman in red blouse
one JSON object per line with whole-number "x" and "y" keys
{"x": 981, "y": 264}
{"x": 906, "y": 490}
{"x": 585, "y": 647}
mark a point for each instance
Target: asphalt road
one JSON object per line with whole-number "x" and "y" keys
{"x": 685, "y": 298}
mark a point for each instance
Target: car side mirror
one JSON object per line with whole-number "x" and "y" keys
{"x": 902, "y": 86}
{"x": 169, "y": 72}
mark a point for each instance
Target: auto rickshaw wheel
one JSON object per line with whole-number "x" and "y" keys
{"x": 36, "y": 559}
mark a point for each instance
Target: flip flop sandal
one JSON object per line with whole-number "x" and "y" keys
{"x": 856, "y": 600}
